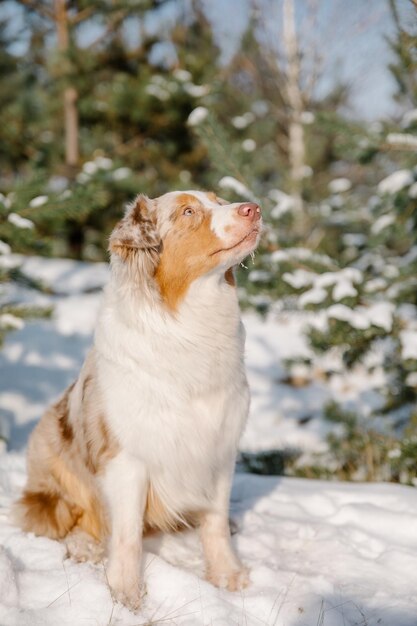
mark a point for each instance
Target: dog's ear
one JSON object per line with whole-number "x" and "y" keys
{"x": 137, "y": 231}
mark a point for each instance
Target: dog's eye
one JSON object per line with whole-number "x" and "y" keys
{"x": 188, "y": 211}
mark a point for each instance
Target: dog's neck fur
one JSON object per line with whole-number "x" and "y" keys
{"x": 207, "y": 319}
{"x": 197, "y": 349}
{"x": 138, "y": 300}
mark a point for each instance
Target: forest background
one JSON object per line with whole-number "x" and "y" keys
{"x": 309, "y": 108}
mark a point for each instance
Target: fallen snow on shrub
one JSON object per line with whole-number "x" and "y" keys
{"x": 197, "y": 116}
{"x": 19, "y": 221}
{"x": 395, "y": 182}
{"x": 408, "y": 340}
{"x": 339, "y": 185}
{"x": 38, "y": 201}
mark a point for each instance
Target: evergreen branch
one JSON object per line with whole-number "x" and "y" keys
{"x": 81, "y": 15}
{"x": 26, "y": 310}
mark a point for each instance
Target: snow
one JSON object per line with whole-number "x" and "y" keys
{"x": 90, "y": 168}
{"x": 307, "y": 117}
{"x": 351, "y": 274}
{"x": 312, "y": 296}
{"x": 403, "y": 139}
{"x": 229, "y": 182}
{"x": 9, "y": 261}
{"x": 299, "y": 278}
{"x": 19, "y": 221}
{"x": 346, "y": 552}
{"x": 412, "y": 192}
{"x": 320, "y": 553}
{"x": 339, "y": 185}
{"x": 345, "y": 314}
{"x": 300, "y": 254}
{"x": 7, "y": 320}
{"x": 408, "y": 340}
{"x": 342, "y": 281}
{"x": 121, "y": 173}
{"x": 382, "y": 222}
{"x": 378, "y": 314}
{"x": 306, "y": 171}
{"x": 197, "y": 116}
{"x": 289, "y": 531}
{"x": 65, "y": 276}
{"x": 242, "y": 121}
{"x": 395, "y": 182}
{"x": 182, "y": 75}
{"x": 343, "y": 289}
{"x": 411, "y": 379}
{"x": 38, "y": 201}
{"x": 410, "y": 117}
{"x": 82, "y": 178}
{"x": 284, "y": 203}
{"x": 4, "y": 247}
{"x": 197, "y": 91}
{"x": 259, "y": 276}
{"x": 249, "y": 145}
{"x": 58, "y": 184}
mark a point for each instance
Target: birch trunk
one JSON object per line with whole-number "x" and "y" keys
{"x": 70, "y": 93}
{"x": 296, "y": 141}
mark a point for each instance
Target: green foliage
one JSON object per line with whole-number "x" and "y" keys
{"x": 13, "y": 314}
{"x": 268, "y": 462}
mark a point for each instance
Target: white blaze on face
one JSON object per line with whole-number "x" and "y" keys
{"x": 223, "y": 215}
{"x": 223, "y": 221}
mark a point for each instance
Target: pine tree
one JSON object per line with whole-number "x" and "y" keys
{"x": 133, "y": 135}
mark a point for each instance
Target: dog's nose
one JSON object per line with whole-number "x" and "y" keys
{"x": 250, "y": 210}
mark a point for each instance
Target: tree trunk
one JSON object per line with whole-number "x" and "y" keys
{"x": 296, "y": 142}
{"x": 70, "y": 93}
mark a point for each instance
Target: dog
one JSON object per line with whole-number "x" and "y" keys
{"x": 146, "y": 438}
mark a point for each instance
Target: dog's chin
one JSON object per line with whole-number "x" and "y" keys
{"x": 243, "y": 248}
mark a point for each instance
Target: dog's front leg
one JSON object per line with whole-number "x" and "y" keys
{"x": 223, "y": 567}
{"x": 125, "y": 484}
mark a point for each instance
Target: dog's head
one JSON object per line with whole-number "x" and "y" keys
{"x": 182, "y": 236}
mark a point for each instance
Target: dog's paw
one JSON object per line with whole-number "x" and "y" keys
{"x": 125, "y": 584}
{"x": 232, "y": 580}
{"x": 81, "y": 547}
{"x": 131, "y": 597}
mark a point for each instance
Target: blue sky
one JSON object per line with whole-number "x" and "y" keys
{"x": 349, "y": 34}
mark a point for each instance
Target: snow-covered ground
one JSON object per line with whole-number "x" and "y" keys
{"x": 320, "y": 553}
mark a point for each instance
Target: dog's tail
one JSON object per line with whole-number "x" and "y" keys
{"x": 45, "y": 513}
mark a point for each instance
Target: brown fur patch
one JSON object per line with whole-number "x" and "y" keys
{"x": 62, "y": 414}
{"x": 230, "y": 277}
{"x": 47, "y": 513}
{"x": 187, "y": 251}
{"x": 214, "y": 198}
{"x": 90, "y": 515}
{"x": 211, "y": 196}
{"x": 100, "y": 445}
{"x": 137, "y": 231}
{"x": 158, "y": 517}
{"x": 139, "y": 212}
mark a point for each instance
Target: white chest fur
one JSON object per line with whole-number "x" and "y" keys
{"x": 174, "y": 388}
